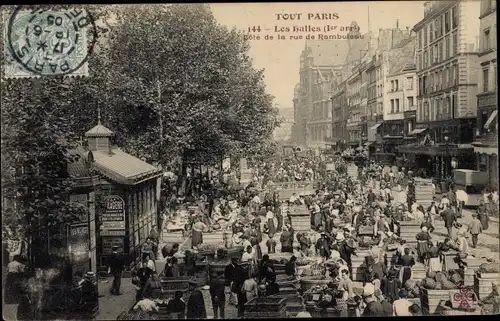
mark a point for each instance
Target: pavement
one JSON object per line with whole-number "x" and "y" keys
{"x": 111, "y": 306}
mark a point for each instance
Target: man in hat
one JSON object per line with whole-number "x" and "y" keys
{"x": 116, "y": 267}
{"x": 347, "y": 248}
{"x": 475, "y": 228}
{"x": 449, "y": 218}
{"x": 373, "y": 308}
{"x": 323, "y": 246}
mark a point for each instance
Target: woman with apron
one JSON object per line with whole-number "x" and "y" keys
{"x": 434, "y": 259}
{"x": 423, "y": 239}
{"x": 197, "y": 233}
{"x": 270, "y": 221}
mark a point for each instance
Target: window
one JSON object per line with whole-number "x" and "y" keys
{"x": 425, "y": 36}
{"x": 431, "y": 31}
{"x": 409, "y": 83}
{"x": 487, "y": 40}
{"x": 441, "y": 52}
{"x": 454, "y": 18}
{"x": 396, "y": 82}
{"x": 452, "y": 76}
{"x": 495, "y": 76}
{"x": 426, "y": 111}
{"x": 436, "y": 54}
{"x": 446, "y": 47}
{"x": 453, "y": 105}
{"x": 397, "y": 105}
{"x": 392, "y": 85}
{"x": 447, "y": 22}
{"x": 486, "y": 78}
{"x": 419, "y": 112}
{"x": 446, "y": 77}
{"x": 410, "y": 102}
{"x": 420, "y": 66}
{"x": 431, "y": 56}
{"x": 392, "y": 106}
{"x": 456, "y": 74}
{"x": 437, "y": 31}
{"x": 455, "y": 44}
{"x": 419, "y": 39}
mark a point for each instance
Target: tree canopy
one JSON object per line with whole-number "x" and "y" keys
{"x": 169, "y": 80}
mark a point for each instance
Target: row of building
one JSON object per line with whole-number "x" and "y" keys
{"x": 425, "y": 97}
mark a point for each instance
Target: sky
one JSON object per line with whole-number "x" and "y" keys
{"x": 281, "y": 58}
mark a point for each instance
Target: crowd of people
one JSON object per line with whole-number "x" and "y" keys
{"x": 347, "y": 213}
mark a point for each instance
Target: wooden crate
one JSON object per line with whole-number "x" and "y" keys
{"x": 418, "y": 273}
{"x": 294, "y": 299}
{"x": 213, "y": 238}
{"x": 469, "y": 277}
{"x": 483, "y": 283}
{"x": 448, "y": 259}
{"x": 432, "y": 299}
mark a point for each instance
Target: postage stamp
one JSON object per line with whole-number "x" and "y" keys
{"x": 48, "y": 43}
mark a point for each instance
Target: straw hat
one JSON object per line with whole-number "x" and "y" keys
{"x": 368, "y": 290}
{"x": 340, "y": 237}
{"x": 424, "y": 229}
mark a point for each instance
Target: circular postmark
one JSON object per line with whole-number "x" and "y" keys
{"x": 51, "y": 42}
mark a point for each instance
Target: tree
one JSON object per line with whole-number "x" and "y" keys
{"x": 35, "y": 141}
{"x": 195, "y": 78}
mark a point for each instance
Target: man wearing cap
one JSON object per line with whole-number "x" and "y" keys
{"x": 475, "y": 228}
{"x": 116, "y": 266}
{"x": 373, "y": 308}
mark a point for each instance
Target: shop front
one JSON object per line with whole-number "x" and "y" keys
{"x": 127, "y": 195}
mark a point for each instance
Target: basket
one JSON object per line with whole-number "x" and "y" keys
{"x": 262, "y": 304}
{"x": 307, "y": 283}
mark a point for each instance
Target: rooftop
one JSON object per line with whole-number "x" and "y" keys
{"x": 124, "y": 168}
{"x": 327, "y": 52}
{"x": 404, "y": 56}
{"x": 99, "y": 131}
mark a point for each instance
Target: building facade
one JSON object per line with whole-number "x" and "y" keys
{"x": 447, "y": 71}
{"x": 320, "y": 61}
{"x": 354, "y": 107}
{"x": 486, "y": 142}
{"x": 340, "y": 111}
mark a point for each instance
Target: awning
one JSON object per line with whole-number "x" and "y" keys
{"x": 417, "y": 131}
{"x": 491, "y": 119}
{"x": 376, "y": 126}
{"x": 486, "y": 150}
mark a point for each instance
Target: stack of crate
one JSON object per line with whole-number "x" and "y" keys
{"x": 265, "y": 308}
{"x": 483, "y": 283}
{"x": 408, "y": 230}
{"x": 432, "y": 299}
{"x": 169, "y": 285}
{"x": 358, "y": 264}
{"x": 423, "y": 192}
{"x": 471, "y": 269}
{"x": 300, "y": 218}
{"x": 213, "y": 238}
{"x": 289, "y": 291}
{"x": 418, "y": 272}
{"x": 352, "y": 171}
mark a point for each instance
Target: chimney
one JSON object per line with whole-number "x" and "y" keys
{"x": 397, "y": 23}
